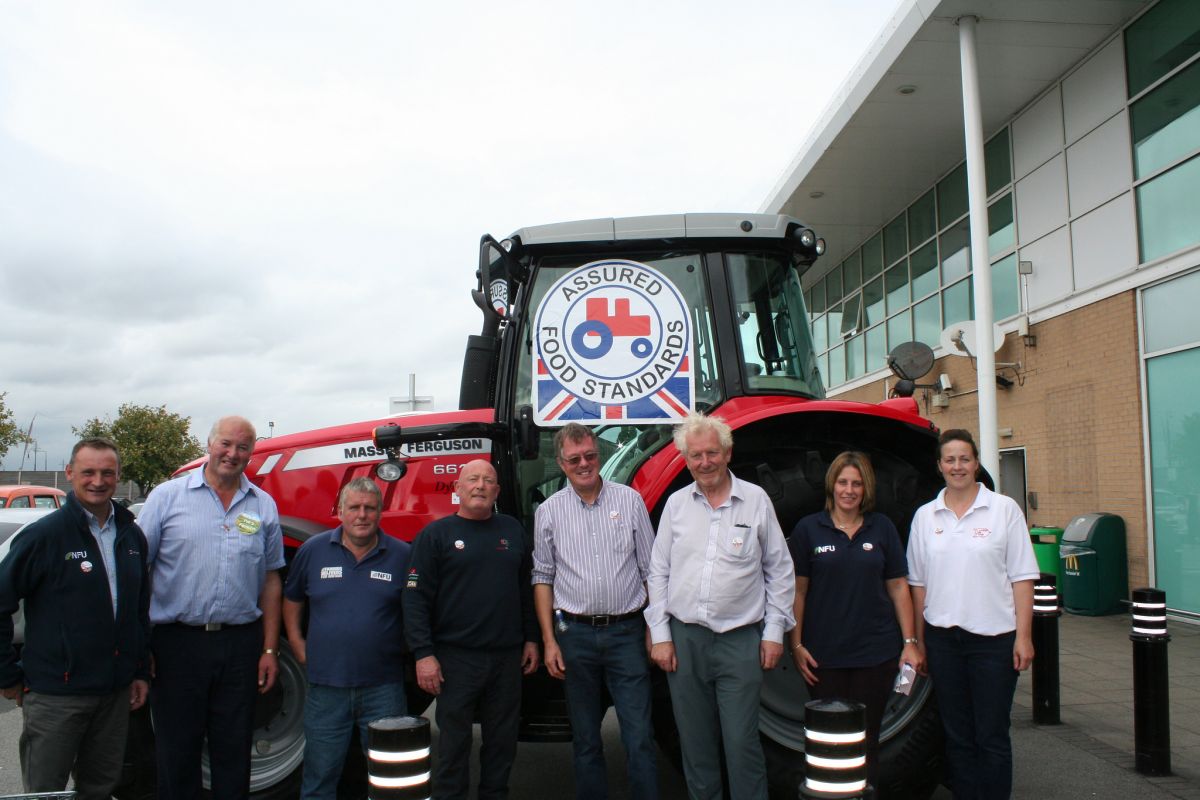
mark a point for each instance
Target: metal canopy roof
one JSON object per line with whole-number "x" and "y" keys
{"x": 875, "y": 150}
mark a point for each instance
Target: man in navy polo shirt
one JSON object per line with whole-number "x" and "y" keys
{"x": 352, "y": 579}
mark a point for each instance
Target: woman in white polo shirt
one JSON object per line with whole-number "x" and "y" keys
{"x": 971, "y": 568}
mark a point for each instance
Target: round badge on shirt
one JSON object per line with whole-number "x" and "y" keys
{"x": 459, "y": 544}
{"x": 868, "y": 546}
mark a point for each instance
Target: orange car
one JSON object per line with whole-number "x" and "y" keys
{"x": 31, "y": 497}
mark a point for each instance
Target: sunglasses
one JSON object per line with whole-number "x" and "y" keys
{"x": 575, "y": 461}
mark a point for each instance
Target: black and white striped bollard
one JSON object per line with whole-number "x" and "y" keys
{"x": 398, "y": 759}
{"x": 1151, "y": 696}
{"x": 1046, "y": 611}
{"x": 835, "y": 750}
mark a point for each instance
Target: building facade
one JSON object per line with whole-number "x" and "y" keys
{"x": 1091, "y": 113}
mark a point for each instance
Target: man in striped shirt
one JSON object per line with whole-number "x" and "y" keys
{"x": 591, "y": 553}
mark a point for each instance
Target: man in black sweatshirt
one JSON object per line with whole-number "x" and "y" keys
{"x": 469, "y": 620}
{"x": 81, "y": 571}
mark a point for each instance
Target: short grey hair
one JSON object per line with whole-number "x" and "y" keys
{"x": 572, "y": 432}
{"x": 697, "y": 424}
{"x": 241, "y": 421}
{"x": 363, "y": 485}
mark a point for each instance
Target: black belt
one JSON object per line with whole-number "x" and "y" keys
{"x": 600, "y": 620}
{"x": 208, "y": 627}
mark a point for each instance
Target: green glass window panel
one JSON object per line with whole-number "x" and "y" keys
{"x": 895, "y": 240}
{"x": 1166, "y": 123}
{"x": 872, "y": 257}
{"x": 1002, "y": 234}
{"x": 855, "y": 363}
{"x": 956, "y": 303}
{"x": 1169, "y": 313}
{"x": 1168, "y": 212}
{"x": 1172, "y": 386}
{"x": 927, "y": 321}
{"x": 851, "y": 318}
{"x": 837, "y": 366}
{"x": 1161, "y": 39}
{"x": 820, "y": 335}
{"x": 895, "y": 284}
{"x": 873, "y": 301}
{"x": 818, "y": 297}
{"x": 922, "y": 219}
{"x": 834, "y": 321}
{"x": 996, "y": 163}
{"x": 876, "y": 348}
{"x": 956, "y": 252}
{"x": 923, "y": 266}
{"x": 833, "y": 285}
{"x": 952, "y": 196}
{"x": 899, "y": 329}
{"x": 1006, "y": 297}
{"x": 852, "y": 272}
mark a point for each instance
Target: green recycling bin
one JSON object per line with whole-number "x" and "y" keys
{"x": 1095, "y": 569}
{"x": 1045, "y": 550}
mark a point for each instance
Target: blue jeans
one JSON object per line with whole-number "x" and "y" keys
{"x": 974, "y": 680}
{"x": 330, "y": 714}
{"x": 612, "y": 657}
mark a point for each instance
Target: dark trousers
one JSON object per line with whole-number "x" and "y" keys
{"x": 871, "y": 686}
{"x": 715, "y": 695}
{"x": 206, "y": 684}
{"x": 487, "y": 684}
{"x": 974, "y": 680}
{"x": 612, "y": 657}
{"x": 73, "y": 734}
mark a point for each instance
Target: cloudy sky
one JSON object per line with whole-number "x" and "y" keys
{"x": 272, "y": 208}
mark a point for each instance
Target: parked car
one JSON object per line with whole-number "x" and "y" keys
{"x": 31, "y": 497}
{"x": 12, "y": 522}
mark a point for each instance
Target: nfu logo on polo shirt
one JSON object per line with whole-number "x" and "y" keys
{"x": 825, "y": 548}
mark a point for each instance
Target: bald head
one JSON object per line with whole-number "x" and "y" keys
{"x": 477, "y": 488}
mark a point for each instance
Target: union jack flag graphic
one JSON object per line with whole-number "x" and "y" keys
{"x": 556, "y": 403}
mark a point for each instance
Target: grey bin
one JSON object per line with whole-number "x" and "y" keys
{"x": 1095, "y": 570}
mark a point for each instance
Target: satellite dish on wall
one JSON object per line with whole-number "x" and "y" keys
{"x": 959, "y": 339}
{"x": 910, "y": 360}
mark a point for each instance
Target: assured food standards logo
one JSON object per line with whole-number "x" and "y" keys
{"x": 613, "y": 342}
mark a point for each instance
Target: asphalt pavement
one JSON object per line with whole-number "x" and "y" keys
{"x": 1090, "y": 755}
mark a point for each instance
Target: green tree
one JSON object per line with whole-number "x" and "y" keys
{"x": 10, "y": 434}
{"x": 153, "y": 442}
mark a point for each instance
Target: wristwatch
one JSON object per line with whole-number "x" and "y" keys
{"x": 912, "y": 640}
{"x": 270, "y": 651}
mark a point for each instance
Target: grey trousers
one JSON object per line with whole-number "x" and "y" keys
{"x": 715, "y": 692}
{"x": 73, "y": 734}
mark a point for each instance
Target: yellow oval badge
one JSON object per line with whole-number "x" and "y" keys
{"x": 248, "y": 523}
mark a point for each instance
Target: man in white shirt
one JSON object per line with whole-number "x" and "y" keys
{"x": 721, "y": 585}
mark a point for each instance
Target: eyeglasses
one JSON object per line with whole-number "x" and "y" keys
{"x": 575, "y": 461}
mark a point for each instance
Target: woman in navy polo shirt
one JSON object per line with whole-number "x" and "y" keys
{"x": 854, "y": 615}
{"x": 972, "y": 573}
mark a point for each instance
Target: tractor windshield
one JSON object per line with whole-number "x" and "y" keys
{"x": 776, "y": 345}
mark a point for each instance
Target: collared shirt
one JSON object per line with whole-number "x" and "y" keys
{"x": 596, "y": 556}
{"x": 355, "y": 620}
{"x": 106, "y": 539}
{"x": 849, "y": 617}
{"x": 208, "y": 564}
{"x": 721, "y": 567}
{"x": 969, "y": 564}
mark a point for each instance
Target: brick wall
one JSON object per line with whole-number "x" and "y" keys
{"x": 1076, "y": 410}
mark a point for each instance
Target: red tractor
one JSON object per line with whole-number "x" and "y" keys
{"x": 623, "y": 324}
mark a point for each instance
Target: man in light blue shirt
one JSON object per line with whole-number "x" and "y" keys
{"x": 215, "y": 549}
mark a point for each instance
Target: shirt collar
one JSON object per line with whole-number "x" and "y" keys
{"x": 585, "y": 503}
{"x": 196, "y": 480}
{"x": 983, "y": 499}
{"x": 94, "y": 521}
{"x": 736, "y": 489}
{"x": 380, "y": 542}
